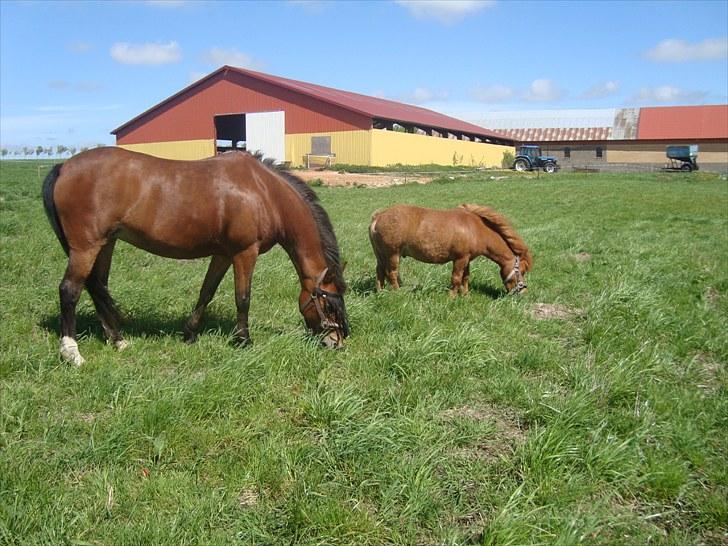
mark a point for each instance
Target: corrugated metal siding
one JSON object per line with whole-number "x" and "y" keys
{"x": 654, "y": 152}
{"x": 190, "y": 115}
{"x": 557, "y": 134}
{"x": 392, "y": 147}
{"x": 265, "y": 133}
{"x": 181, "y": 149}
{"x": 350, "y": 147}
{"x": 683, "y": 122}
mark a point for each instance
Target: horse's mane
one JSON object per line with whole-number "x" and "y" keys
{"x": 323, "y": 223}
{"x": 498, "y": 223}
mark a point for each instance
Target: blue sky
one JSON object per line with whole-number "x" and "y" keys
{"x": 70, "y": 72}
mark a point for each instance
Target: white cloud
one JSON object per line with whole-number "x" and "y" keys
{"x": 668, "y": 93}
{"x": 601, "y": 90}
{"x": 79, "y": 47}
{"x": 149, "y": 54}
{"x": 312, "y": 6}
{"x": 543, "y": 90}
{"x": 168, "y": 3}
{"x": 673, "y": 50}
{"x": 492, "y": 93}
{"x": 423, "y": 94}
{"x": 444, "y": 11}
{"x": 218, "y": 56}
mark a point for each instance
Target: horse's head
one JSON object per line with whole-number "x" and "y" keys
{"x": 324, "y": 311}
{"x": 514, "y": 280}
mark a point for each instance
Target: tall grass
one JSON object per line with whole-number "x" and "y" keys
{"x": 591, "y": 410}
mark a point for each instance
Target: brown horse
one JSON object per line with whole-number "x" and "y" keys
{"x": 457, "y": 235}
{"x": 232, "y": 207}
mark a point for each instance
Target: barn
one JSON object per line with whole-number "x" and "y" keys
{"x": 299, "y": 123}
{"x": 621, "y": 138}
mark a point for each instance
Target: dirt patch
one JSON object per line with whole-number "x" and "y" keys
{"x": 545, "y": 311}
{"x": 508, "y": 434}
{"x": 248, "y": 498}
{"x": 710, "y": 372}
{"x": 369, "y": 180}
{"x": 582, "y": 257}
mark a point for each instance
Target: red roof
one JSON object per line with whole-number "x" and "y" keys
{"x": 369, "y": 106}
{"x": 683, "y": 122}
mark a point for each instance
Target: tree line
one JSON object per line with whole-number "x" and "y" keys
{"x": 50, "y": 151}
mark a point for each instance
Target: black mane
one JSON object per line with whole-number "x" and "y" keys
{"x": 325, "y": 229}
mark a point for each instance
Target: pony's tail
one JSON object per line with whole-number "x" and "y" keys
{"x": 502, "y": 226}
{"x": 49, "y": 204}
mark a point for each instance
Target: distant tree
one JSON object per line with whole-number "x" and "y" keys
{"x": 38, "y": 150}
{"x": 61, "y": 149}
{"x": 27, "y": 151}
{"x": 49, "y": 151}
{"x": 99, "y": 145}
{"x": 72, "y": 150}
{"x": 4, "y": 152}
{"x": 84, "y": 148}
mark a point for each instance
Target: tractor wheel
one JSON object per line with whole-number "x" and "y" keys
{"x": 521, "y": 165}
{"x": 549, "y": 167}
{"x": 687, "y": 167}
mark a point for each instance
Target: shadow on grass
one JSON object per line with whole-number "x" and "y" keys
{"x": 366, "y": 286}
{"x": 148, "y": 325}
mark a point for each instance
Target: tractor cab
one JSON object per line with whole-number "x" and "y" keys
{"x": 529, "y": 157}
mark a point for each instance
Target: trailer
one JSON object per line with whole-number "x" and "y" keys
{"x": 682, "y": 158}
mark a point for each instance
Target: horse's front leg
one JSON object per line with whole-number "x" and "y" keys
{"x": 243, "y": 264}
{"x": 215, "y": 273}
{"x": 458, "y": 272}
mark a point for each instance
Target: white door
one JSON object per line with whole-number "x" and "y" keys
{"x": 265, "y": 132}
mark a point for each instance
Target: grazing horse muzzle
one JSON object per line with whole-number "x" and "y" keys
{"x": 333, "y": 326}
{"x": 520, "y": 285}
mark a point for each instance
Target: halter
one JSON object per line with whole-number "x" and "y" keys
{"x": 327, "y": 324}
{"x": 516, "y": 271}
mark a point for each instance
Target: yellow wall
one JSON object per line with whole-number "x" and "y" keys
{"x": 392, "y": 147}
{"x": 712, "y": 152}
{"x": 179, "y": 149}
{"x": 350, "y": 147}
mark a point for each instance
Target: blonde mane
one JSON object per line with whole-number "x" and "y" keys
{"x": 500, "y": 224}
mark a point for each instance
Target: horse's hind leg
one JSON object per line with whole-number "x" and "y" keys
{"x": 97, "y": 285}
{"x": 215, "y": 273}
{"x": 79, "y": 267}
{"x": 392, "y": 268}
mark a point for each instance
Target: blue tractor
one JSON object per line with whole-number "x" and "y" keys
{"x": 529, "y": 158}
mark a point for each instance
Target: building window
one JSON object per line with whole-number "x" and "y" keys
{"x": 567, "y": 152}
{"x": 599, "y": 151}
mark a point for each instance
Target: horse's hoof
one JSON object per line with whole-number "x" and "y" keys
{"x": 121, "y": 344}
{"x": 69, "y": 351}
{"x": 242, "y": 342}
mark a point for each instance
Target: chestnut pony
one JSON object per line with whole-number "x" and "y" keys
{"x": 232, "y": 207}
{"x": 456, "y": 235}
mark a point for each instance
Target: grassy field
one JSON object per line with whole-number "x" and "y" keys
{"x": 591, "y": 410}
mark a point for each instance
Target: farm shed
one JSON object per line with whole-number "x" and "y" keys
{"x": 621, "y": 137}
{"x": 296, "y": 122}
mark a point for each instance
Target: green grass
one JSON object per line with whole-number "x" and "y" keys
{"x": 466, "y": 421}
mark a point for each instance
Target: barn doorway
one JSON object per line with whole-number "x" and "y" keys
{"x": 262, "y": 132}
{"x": 230, "y": 132}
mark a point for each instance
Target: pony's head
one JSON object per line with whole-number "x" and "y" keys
{"x": 324, "y": 311}
{"x": 514, "y": 279}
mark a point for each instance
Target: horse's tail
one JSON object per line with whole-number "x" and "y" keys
{"x": 373, "y": 222}
{"x": 49, "y": 204}
{"x": 502, "y": 227}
